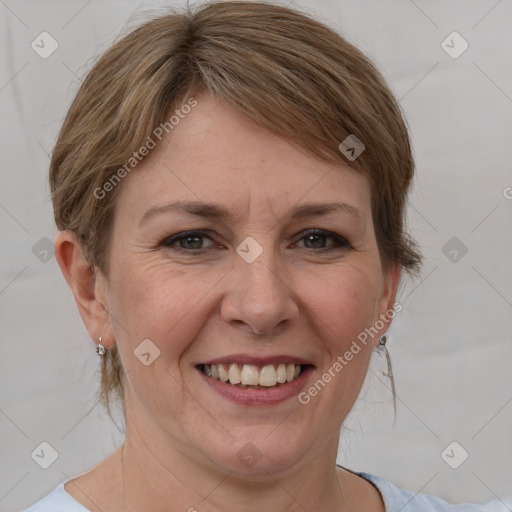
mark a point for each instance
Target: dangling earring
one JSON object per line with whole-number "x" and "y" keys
{"x": 100, "y": 349}
{"x": 382, "y": 347}
{"x": 382, "y": 342}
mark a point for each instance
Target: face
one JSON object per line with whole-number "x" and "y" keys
{"x": 259, "y": 279}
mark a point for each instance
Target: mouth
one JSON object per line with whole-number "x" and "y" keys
{"x": 252, "y": 376}
{"x": 256, "y": 380}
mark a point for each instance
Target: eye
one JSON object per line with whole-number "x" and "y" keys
{"x": 189, "y": 240}
{"x": 316, "y": 238}
{"x": 193, "y": 241}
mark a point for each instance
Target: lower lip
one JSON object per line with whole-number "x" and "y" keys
{"x": 248, "y": 396}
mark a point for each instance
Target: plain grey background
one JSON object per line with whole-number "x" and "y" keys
{"x": 451, "y": 345}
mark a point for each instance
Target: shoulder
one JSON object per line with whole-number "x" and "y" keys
{"x": 407, "y": 501}
{"x": 57, "y": 500}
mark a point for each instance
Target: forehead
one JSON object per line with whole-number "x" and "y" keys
{"x": 215, "y": 154}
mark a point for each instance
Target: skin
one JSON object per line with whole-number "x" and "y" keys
{"x": 182, "y": 437}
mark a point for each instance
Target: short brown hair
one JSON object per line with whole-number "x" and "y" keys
{"x": 290, "y": 74}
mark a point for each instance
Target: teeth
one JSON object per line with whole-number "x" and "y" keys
{"x": 223, "y": 374}
{"x": 268, "y": 376}
{"x": 235, "y": 376}
{"x": 281, "y": 373}
{"x": 290, "y": 372}
{"x": 252, "y": 375}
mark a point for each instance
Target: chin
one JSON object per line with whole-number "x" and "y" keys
{"x": 256, "y": 454}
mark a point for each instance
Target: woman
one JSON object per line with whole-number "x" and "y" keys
{"x": 229, "y": 185}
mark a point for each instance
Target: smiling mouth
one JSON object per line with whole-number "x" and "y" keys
{"x": 253, "y": 376}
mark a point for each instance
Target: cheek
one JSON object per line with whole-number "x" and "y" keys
{"x": 160, "y": 303}
{"x": 168, "y": 307}
{"x": 353, "y": 312}
{"x": 343, "y": 307}
{"x": 343, "y": 303}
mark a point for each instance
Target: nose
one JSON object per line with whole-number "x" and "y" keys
{"x": 260, "y": 299}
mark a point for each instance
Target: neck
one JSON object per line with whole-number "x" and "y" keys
{"x": 152, "y": 479}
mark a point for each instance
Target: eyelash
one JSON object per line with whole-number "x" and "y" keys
{"x": 341, "y": 243}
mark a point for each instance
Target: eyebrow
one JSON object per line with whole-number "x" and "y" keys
{"x": 213, "y": 211}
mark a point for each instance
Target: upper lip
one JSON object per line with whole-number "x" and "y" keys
{"x": 257, "y": 360}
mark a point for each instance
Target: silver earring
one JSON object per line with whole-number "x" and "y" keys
{"x": 382, "y": 342}
{"x": 100, "y": 349}
{"x": 381, "y": 347}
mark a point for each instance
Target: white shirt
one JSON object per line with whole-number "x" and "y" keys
{"x": 395, "y": 500}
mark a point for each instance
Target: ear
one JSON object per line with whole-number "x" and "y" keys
{"x": 386, "y": 307}
{"x": 88, "y": 286}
